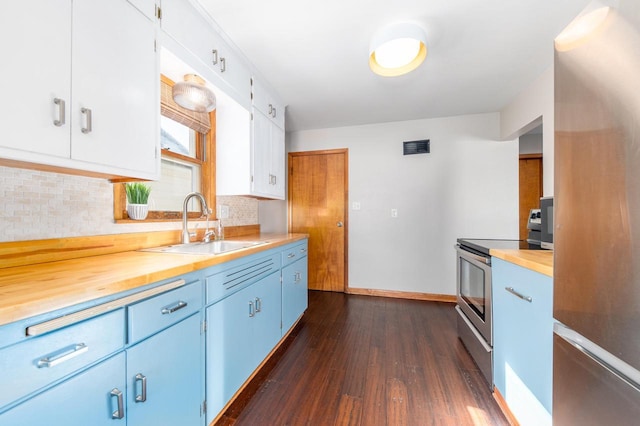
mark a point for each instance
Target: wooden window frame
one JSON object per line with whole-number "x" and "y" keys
{"x": 206, "y": 146}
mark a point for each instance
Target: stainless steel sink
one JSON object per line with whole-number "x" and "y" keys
{"x": 212, "y": 247}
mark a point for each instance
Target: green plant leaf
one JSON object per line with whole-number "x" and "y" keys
{"x": 137, "y": 193}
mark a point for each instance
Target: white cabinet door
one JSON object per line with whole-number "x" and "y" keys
{"x": 268, "y": 157}
{"x": 36, "y": 51}
{"x": 277, "y": 161}
{"x": 115, "y": 83}
{"x": 261, "y": 153}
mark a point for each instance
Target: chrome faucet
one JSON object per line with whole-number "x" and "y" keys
{"x": 186, "y": 237}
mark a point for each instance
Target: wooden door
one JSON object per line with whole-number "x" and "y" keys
{"x": 530, "y": 188}
{"x": 318, "y": 196}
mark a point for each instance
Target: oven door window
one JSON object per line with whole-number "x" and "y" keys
{"x": 472, "y": 288}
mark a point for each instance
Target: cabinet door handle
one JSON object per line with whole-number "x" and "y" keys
{"x": 290, "y": 255}
{"x": 258, "y": 304}
{"x": 271, "y": 109}
{"x": 214, "y": 52}
{"x": 88, "y": 116}
{"x": 143, "y": 393}
{"x": 223, "y": 64}
{"x": 62, "y": 355}
{"x": 520, "y": 295}
{"x": 274, "y": 112}
{"x": 252, "y": 311}
{"x": 119, "y": 413}
{"x": 61, "y": 112}
{"x": 297, "y": 276}
{"x": 171, "y": 309}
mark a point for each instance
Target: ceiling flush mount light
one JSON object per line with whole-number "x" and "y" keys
{"x": 192, "y": 94}
{"x": 585, "y": 26}
{"x": 397, "y": 49}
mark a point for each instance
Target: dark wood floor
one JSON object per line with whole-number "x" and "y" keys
{"x": 360, "y": 360}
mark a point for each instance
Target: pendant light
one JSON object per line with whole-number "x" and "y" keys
{"x": 397, "y": 49}
{"x": 192, "y": 94}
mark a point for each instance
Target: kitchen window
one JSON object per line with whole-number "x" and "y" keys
{"x": 187, "y": 142}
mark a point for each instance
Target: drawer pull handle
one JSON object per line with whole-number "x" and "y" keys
{"x": 88, "y": 114}
{"x": 171, "y": 309}
{"x": 119, "y": 413}
{"x": 64, "y": 354}
{"x": 61, "y": 112}
{"x": 303, "y": 250}
{"x": 521, "y": 296}
{"x": 143, "y": 395}
{"x": 291, "y": 255}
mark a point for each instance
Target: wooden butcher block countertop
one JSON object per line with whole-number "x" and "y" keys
{"x": 537, "y": 260}
{"x": 30, "y": 290}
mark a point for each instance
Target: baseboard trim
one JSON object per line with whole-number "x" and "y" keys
{"x": 402, "y": 295}
{"x": 502, "y": 403}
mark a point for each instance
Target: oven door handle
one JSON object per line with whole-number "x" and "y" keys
{"x": 473, "y": 256}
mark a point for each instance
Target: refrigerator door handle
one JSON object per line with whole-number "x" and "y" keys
{"x": 624, "y": 371}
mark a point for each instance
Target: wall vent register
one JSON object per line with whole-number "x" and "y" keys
{"x": 417, "y": 147}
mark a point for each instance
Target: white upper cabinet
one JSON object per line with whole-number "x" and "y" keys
{"x": 96, "y": 110}
{"x": 194, "y": 31}
{"x": 115, "y": 78}
{"x": 263, "y": 100}
{"x": 37, "y": 70}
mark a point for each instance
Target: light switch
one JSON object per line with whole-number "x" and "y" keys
{"x": 394, "y": 213}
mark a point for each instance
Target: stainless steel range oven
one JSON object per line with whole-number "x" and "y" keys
{"x": 474, "y": 298}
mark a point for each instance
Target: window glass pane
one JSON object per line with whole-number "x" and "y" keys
{"x": 177, "y": 137}
{"x": 177, "y": 179}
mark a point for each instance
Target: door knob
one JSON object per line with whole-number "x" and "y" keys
{"x": 339, "y": 224}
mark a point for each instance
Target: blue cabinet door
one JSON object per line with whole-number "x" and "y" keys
{"x": 294, "y": 293}
{"x": 89, "y": 398}
{"x": 266, "y": 323}
{"x": 164, "y": 377}
{"x": 229, "y": 341}
{"x": 523, "y": 340}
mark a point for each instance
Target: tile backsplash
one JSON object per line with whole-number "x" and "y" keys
{"x": 42, "y": 205}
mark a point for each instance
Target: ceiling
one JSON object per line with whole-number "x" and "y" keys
{"x": 481, "y": 54}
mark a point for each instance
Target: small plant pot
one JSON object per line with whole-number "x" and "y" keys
{"x": 137, "y": 211}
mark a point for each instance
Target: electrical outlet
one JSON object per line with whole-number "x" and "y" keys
{"x": 394, "y": 213}
{"x": 223, "y": 211}
{"x": 356, "y": 205}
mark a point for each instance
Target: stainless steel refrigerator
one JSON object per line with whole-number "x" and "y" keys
{"x": 596, "y": 360}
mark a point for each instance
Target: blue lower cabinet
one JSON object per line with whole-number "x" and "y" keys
{"x": 241, "y": 331}
{"x": 165, "y": 377}
{"x": 294, "y": 293}
{"x": 96, "y": 397}
{"x": 523, "y": 341}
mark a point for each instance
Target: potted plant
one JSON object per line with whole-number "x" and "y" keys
{"x": 137, "y": 200}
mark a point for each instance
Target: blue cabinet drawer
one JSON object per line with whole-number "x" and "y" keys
{"x": 294, "y": 253}
{"x": 39, "y": 361}
{"x": 159, "y": 312}
{"x": 230, "y": 280}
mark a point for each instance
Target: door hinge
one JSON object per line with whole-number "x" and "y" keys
{"x": 203, "y": 409}
{"x": 158, "y": 12}
{"x": 155, "y": 46}
{"x": 203, "y": 327}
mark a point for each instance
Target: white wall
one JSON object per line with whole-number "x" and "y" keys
{"x": 466, "y": 187}
{"x": 532, "y": 107}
